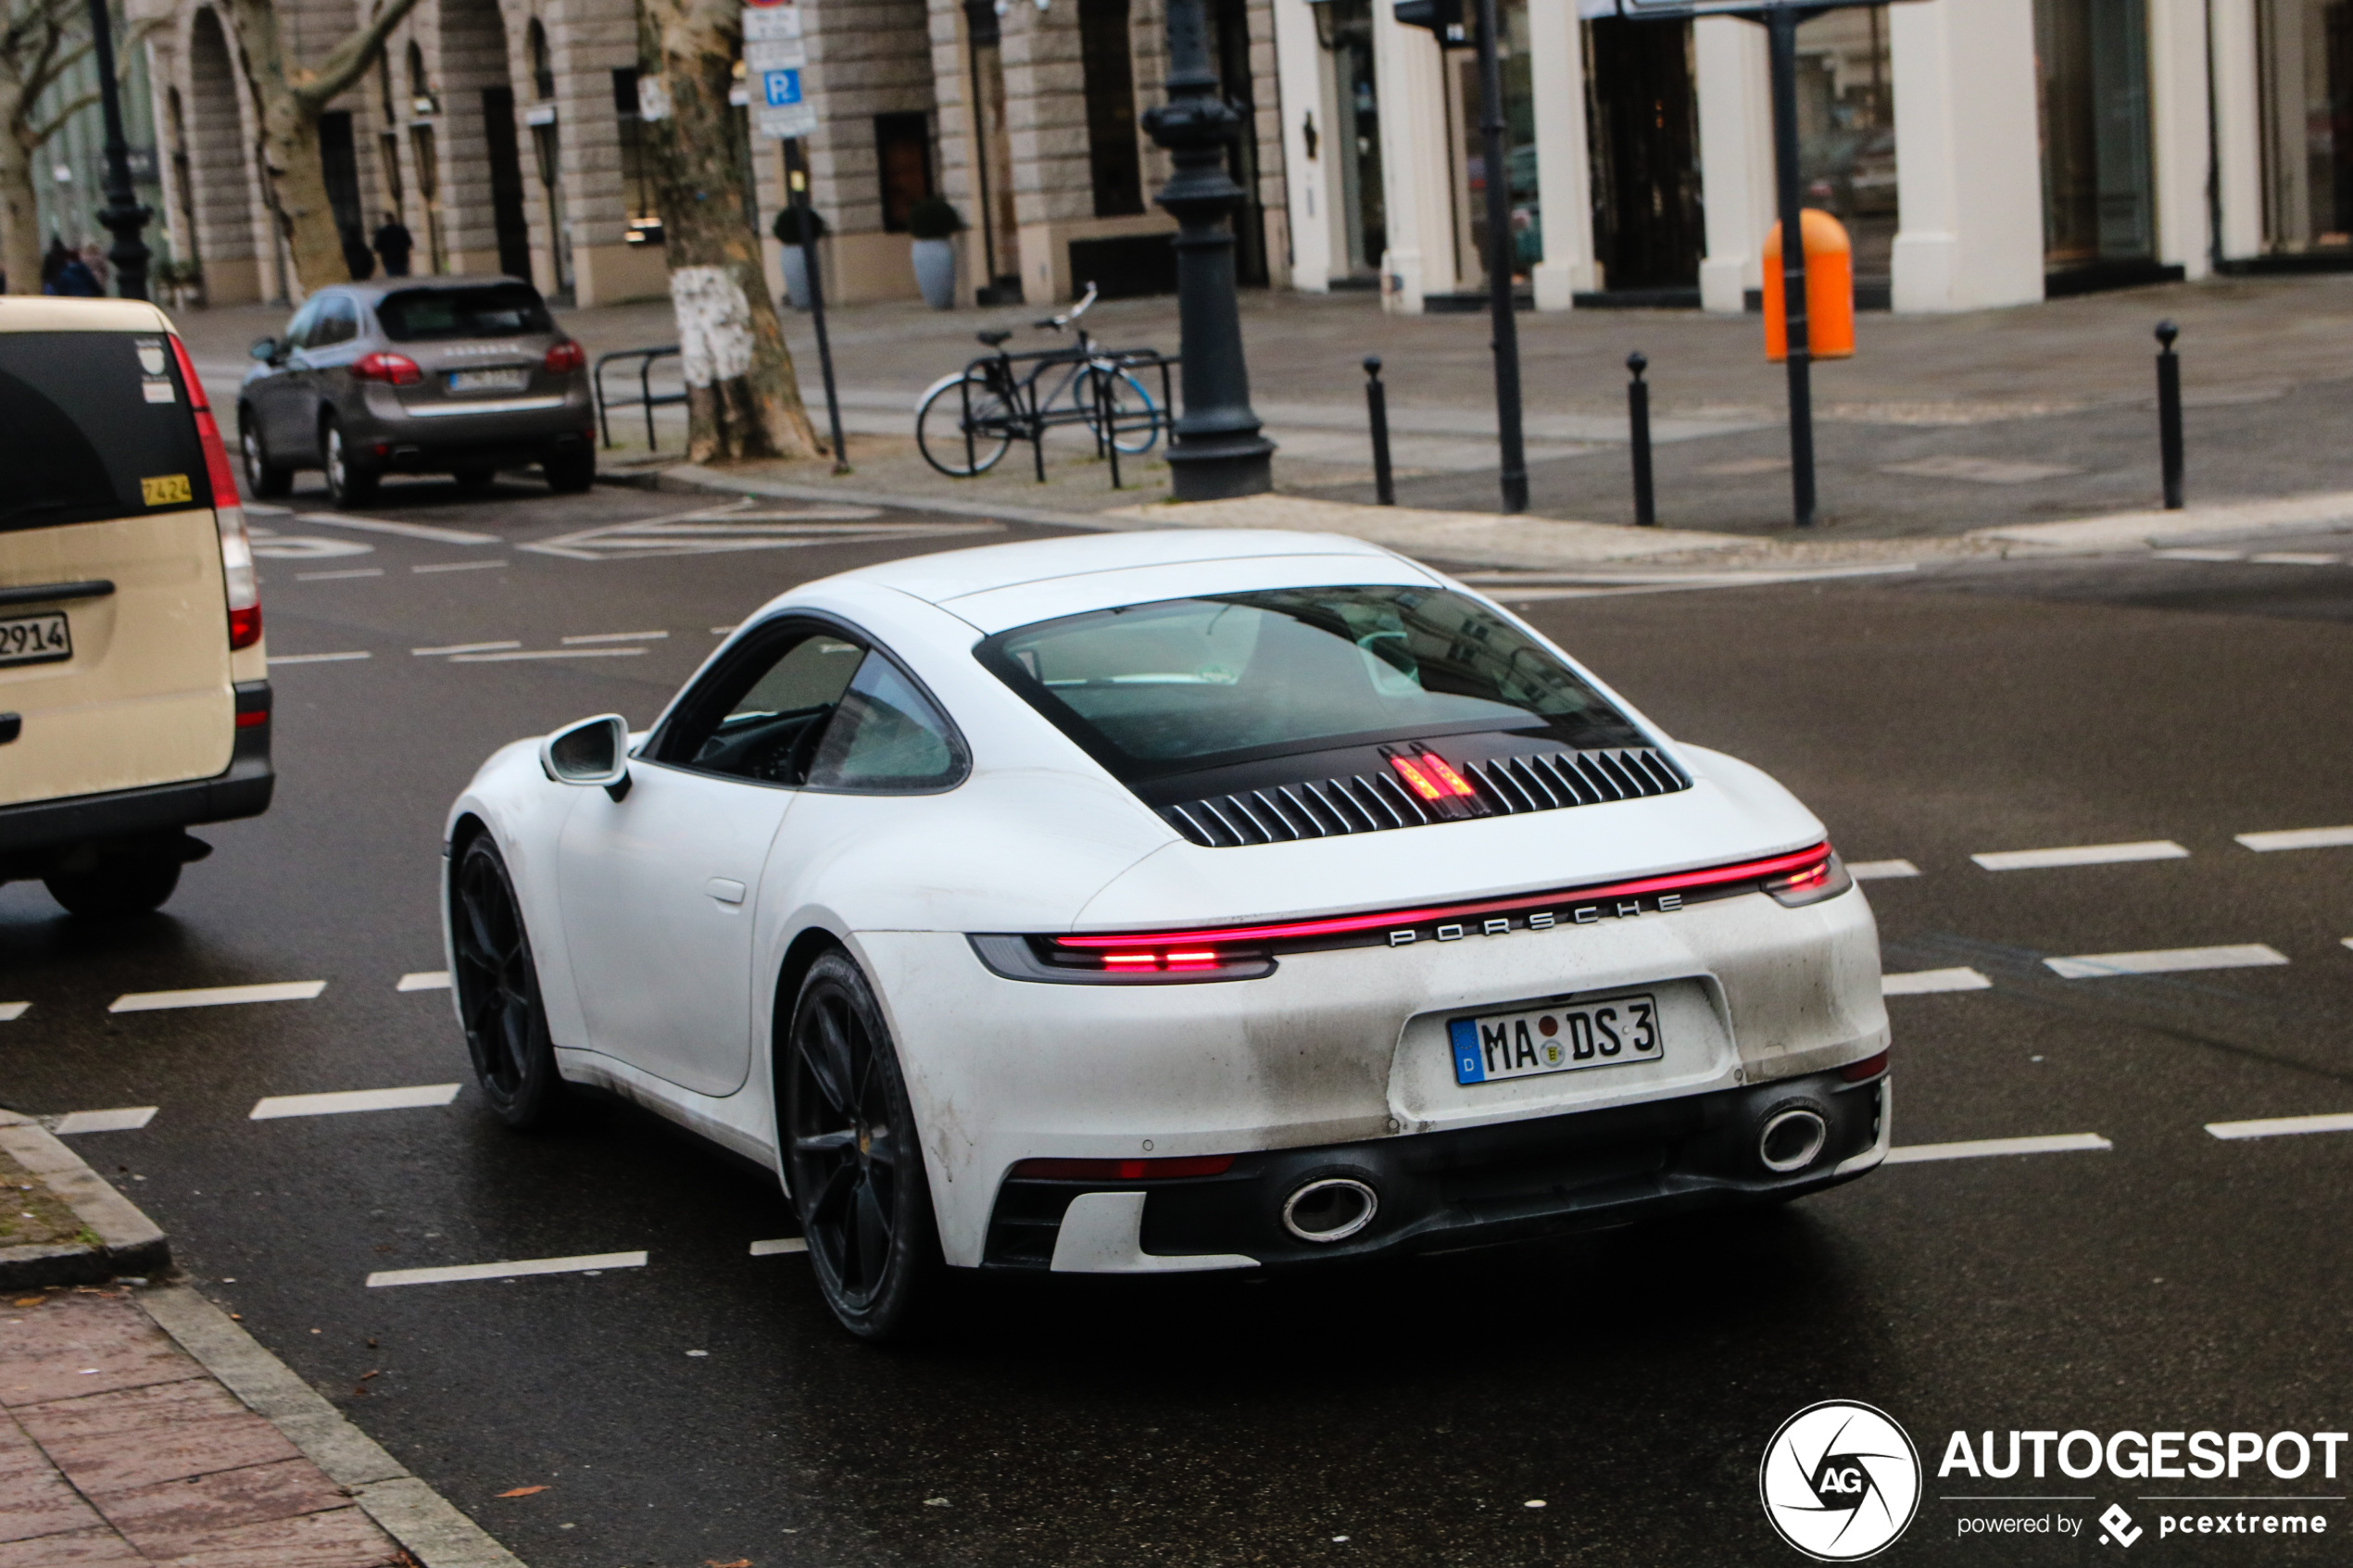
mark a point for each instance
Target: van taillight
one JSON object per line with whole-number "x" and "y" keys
{"x": 227, "y": 511}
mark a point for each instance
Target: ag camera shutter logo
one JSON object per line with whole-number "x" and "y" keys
{"x": 1841, "y": 1481}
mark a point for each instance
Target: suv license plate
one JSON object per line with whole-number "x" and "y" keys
{"x": 489, "y": 380}
{"x": 1560, "y": 1039}
{"x": 35, "y": 639}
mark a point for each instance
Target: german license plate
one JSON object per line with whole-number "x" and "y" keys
{"x": 489, "y": 380}
{"x": 1604, "y": 1032}
{"x": 35, "y": 639}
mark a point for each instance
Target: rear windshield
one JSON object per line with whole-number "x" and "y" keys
{"x": 440, "y": 315}
{"x": 92, "y": 426}
{"x": 1181, "y": 684}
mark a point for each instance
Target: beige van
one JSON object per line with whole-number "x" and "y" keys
{"x": 132, "y": 696}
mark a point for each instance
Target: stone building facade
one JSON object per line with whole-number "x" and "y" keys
{"x": 505, "y": 135}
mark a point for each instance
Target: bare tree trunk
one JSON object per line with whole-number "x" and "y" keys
{"x": 743, "y": 398}
{"x": 20, "y": 212}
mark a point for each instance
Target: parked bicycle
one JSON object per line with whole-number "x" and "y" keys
{"x": 966, "y": 422}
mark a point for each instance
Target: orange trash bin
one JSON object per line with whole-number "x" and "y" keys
{"x": 1829, "y": 289}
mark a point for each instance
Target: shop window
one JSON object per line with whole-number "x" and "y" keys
{"x": 2306, "y": 57}
{"x": 902, "y": 160}
{"x": 644, "y": 218}
{"x": 2099, "y": 199}
{"x": 1113, "y": 151}
{"x": 1846, "y": 129}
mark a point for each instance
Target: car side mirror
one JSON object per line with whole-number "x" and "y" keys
{"x": 594, "y": 752}
{"x": 266, "y": 350}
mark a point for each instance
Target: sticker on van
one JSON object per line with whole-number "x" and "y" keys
{"x": 165, "y": 489}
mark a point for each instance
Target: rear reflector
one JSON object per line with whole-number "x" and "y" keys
{"x": 1869, "y": 1067}
{"x": 1124, "y": 1170}
{"x": 253, "y": 721}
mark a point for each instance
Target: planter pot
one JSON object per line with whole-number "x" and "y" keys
{"x": 935, "y": 273}
{"x": 797, "y": 277}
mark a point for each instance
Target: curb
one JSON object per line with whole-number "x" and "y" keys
{"x": 430, "y": 1527}
{"x": 129, "y": 1243}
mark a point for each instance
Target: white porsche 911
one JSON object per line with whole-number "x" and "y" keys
{"x": 1168, "y": 901}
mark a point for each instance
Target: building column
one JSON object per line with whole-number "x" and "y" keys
{"x": 1414, "y": 154}
{"x": 2238, "y": 127}
{"x": 1735, "y": 157}
{"x": 2177, "y": 134}
{"x": 1968, "y": 154}
{"x": 1564, "y": 166}
{"x": 1304, "y": 68}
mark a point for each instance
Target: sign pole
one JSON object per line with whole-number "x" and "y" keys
{"x": 1497, "y": 175}
{"x": 1781, "y": 27}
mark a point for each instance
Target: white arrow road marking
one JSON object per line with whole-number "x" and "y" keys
{"x": 2297, "y": 838}
{"x": 344, "y": 1102}
{"x": 122, "y": 1119}
{"x": 712, "y": 531}
{"x": 2081, "y": 855}
{"x": 2165, "y": 961}
{"x": 592, "y": 1263}
{"x": 1923, "y": 982}
{"x": 402, "y": 530}
{"x": 781, "y": 1244}
{"x": 2281, "y": 1126}
{"x": 2055, "y": 1143}
{"x": 425, "y": 980}
{"x": 217, "y": 996}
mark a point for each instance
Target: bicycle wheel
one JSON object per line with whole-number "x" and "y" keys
{"x": 1135, "y": 418}
{"x": 940, "y": 427}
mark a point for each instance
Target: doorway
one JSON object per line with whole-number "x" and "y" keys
{"x": 513, "y": 224}
{"x": 2099, "y": 194}
{"x": 1355, "y": 139}
{"x": 1643, "y": 121}
{"x": 1473, "y": 185}
{"x": 2307, "y": 60}
{"x": 339, "y": 167}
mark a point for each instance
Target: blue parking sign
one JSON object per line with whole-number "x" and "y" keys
{"x": 782, "y": 87}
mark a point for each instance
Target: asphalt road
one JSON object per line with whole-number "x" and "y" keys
{"x": 1407, "y": 1414}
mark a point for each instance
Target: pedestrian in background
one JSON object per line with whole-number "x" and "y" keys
{"x": 93, "y": 258}
{"x": 393, "y": 244}
{"x": 74, "y": 280}
{"x": 356, "y": 259}
{"x": 53, "y": 261}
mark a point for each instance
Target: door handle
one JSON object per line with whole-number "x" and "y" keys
{"x": 724, "y": 889}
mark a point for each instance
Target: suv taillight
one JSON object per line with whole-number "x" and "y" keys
{"x": 227, "y": 511}
{"x": 392, "y": 369}
{"x": 565, "y": 356}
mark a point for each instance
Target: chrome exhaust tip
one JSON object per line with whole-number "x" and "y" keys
{"x": 1332, "y": 1208}
{"x": 1792, "y": 1139}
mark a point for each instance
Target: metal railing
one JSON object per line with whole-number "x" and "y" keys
{"x": 647, "y": 397}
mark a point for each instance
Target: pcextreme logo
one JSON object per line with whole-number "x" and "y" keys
{"x": 1841, "y": 1481}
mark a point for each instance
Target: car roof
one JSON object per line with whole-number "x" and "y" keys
{"x": 954, "y": 574}
{"x": 51, "y": 313}
{"x": 377, "y": 288}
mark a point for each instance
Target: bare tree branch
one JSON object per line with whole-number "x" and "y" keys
{"x": 350, "y": 60}
{"x": 37, "y": 134}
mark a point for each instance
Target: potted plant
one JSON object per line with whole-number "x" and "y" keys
{"x": 796, "y": 225}
{"x": 935, "y": 225}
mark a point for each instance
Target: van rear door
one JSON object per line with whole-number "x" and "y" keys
{"x": 114, "y": 635}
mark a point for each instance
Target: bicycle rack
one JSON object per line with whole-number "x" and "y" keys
{"x": 1022, "y": 393}
{"x": 646, "y": 398}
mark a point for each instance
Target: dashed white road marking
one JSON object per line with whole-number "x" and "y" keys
{"x": 595, "y": 1261}
{"x": 2081, "y": 855}
{"x": 217, "y": 996}
{"x": 425, "y": 980}
{"x": 332, "y": 576}
{"x": 344, "y": 1102}
{"x": 462, "y": 566}
{"x": 278, "y": 658}
{"x": 2165, "y": 961}
{"x": 1983, "y": 1149}
{"x": 1924, "y": 981}
{"x": 2281, "y": 1126}
{"x": 590, "y": 637}
{"x": 464, "y": 648}
{"x": 720, "y": 631}
{"x": 2199, "y": 555}
{"x": 2297, "y": 838}
{"x": 11, "y": 1012}
{"x": 1880, "y": 871}
{"x": 781, "y": 1244}
{"x": 2291, "y": 558}
{"x": 402, "y": 530}
{"x": 545, "y": 653}
{"x": 122, "y": 1119}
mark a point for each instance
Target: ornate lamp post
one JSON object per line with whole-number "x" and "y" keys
{"x": 122, "y": 215}
{"x": 1218, "y": 451}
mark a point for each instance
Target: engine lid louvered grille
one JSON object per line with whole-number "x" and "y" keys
{"x": 1374, "y": 802}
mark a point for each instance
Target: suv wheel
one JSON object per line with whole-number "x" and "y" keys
{"x": 351, "y": 479}
{"x": 264, "y": 478}
{"x": 116, "y": 887}
{"x": 570, "y": 469}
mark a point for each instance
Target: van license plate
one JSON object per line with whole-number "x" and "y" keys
{"x": 35, "y": 639}
{"x": 489, "y": 380}
{"x": 1561, "y": 1039}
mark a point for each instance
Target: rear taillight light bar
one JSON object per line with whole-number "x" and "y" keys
{"x": 392, "y": 369}
{"x": 1442, "y": 791}
{"x": 1123, "y": 1169}
{"x": 243, "y": 588}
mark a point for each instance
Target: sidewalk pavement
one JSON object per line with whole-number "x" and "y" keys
{"x": 1941, "y": 425}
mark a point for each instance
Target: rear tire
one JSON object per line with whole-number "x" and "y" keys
{"x": 351, "y": 479}
{"x": 939, "y": 432}
{"x": 497, "y": 987}
{"x": 571, "y": 469}
{"x": 264, "y": 478}
{"x": 116, "y": 888}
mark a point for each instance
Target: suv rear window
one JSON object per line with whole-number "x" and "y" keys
{"x": 441, "y": 315}
{"x": 1157, "y": 689}
{"x": 94, "y": 426}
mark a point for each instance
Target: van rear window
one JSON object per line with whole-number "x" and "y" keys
{"x": 438, "y": 314}
{"x": 94, "y": 426}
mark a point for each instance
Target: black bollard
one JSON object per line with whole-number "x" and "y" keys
{"x": 1377, "y": 405}
{"x": 2168, "y": 412}
{"x": 1638, "y": 416}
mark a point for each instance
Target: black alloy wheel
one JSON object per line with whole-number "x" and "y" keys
{"x": 853, "y": 1156}
{"x": 116, "y": 887}
{"x": 498, "y": 992}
